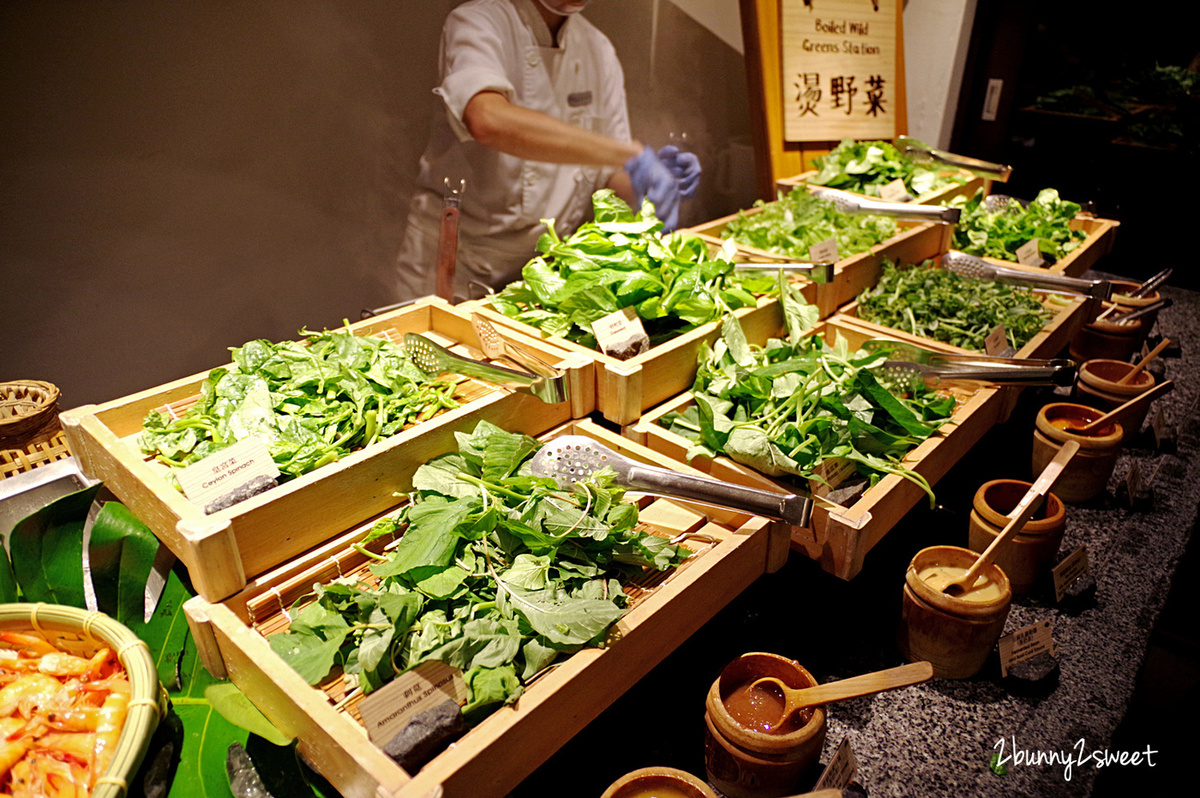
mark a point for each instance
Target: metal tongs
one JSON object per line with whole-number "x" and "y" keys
{"x": 972, "y": 266}
{"x": 568, "y": 459}
{"x": 922, "y": 153}
{"x": 819, "y": 271}
{"x": 850, "y": 203}
{"x": 436, "y": 359}
{"x": 911, "y": 364}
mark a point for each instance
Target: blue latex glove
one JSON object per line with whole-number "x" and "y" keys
{"x": 652, "y": 180}
{"x": 685, "y": 166}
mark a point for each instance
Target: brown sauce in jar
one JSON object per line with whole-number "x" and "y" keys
{"x": 760, "y": 708}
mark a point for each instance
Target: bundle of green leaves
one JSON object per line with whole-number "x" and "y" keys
{"x": 787, "y": 407}
{"x": 937, "y": 303}
{"x": 864, "y": 166}
{"x": 312, "y": 401}
{"x": 999, "y": 234}
{"x": 620, "y": 260}
{"x": 498, "y": 572}
{"x": 795, "y": 222}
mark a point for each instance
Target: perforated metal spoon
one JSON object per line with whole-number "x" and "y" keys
{"x": 980, "y": 269}
{"x": 849, "y": 203}
{"x": 902, "y": 350}
{"x": 922, "y": 153}
{"x": 568, "y": 459}
{"x": 433, "y": 358}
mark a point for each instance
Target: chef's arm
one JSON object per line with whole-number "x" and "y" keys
{"x": 496, "y": 123}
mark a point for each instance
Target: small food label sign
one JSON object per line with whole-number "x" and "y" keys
{"x": 227, "y": 470}
{"x": 1029, "y": 254}
{"x": 824, "y": 252}
{"x": 894, "y": 191}
{"x": 1073, "y": 566}
{"x": 621, "y": 335}
{"x": 839, "y": 62}
{"x": 996, "y": 342}
{"x": 835, "y": 471}
{"x": 389, "y": 709}
{"x": 1025, "y": 644}
{"x": 841, "y": 769}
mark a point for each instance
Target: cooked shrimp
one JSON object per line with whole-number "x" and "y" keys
{"x": 31, "y": 690}
{"x": 27, "y": 644}
{"x": 11, "y": 751}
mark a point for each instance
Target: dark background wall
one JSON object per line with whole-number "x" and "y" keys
{"x": 179, "y": 178}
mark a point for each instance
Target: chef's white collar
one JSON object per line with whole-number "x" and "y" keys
{"x": 529, "y": 12}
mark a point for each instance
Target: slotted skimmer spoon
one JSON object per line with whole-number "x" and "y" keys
{"x": 433, "y": 358}
{"x": 568, "y": 459}
{"x": 909, "y": 374}
{"x": 850, "y": 203}
{"x": 980, "y": 269}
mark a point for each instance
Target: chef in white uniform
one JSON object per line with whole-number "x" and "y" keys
{"x": 534, "y": 119}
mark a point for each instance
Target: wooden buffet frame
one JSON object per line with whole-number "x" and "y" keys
{"x": 222, "y": 551}
{"x": 497, "y": 754}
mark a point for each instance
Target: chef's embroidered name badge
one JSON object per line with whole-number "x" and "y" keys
{"x": 578, "y": 99}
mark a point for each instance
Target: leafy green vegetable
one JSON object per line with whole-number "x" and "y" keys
{"x": 314, "y": 401}
{"x": 937, "y": 303}
{"x": 795, "y": 222}
{"x": 497, "y": 573}
{"x": 864, "y": 166}
{"x": 787, "y": 407}
{"x": 1001, "y": 233}
{"x": 621, "y": 260}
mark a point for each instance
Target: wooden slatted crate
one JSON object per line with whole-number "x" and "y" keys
{"x": 225, "y": 549}
{"x": 915, "y": 242}
{"x": 730, "y": 551}
{"x": 626, "y": 388}
{"x": 966, "y": 189}
{"x": 840, "y": 536}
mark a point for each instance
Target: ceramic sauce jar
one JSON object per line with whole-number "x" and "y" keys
{"x": 742, "y": 759}
{"x": 1028, "y": 555}
{"x": 1086, "y": 475}
{"x": 954, "y": 633}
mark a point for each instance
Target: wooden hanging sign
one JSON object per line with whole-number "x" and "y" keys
{"x": 839, "y": 62}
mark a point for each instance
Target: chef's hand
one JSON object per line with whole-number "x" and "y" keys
{"x": 685, "y": 166}
{"x": 652, "y": 180}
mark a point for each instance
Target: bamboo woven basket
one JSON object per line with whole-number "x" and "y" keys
{"x": 81, "y": 632}
{"x": 26, "y": 405}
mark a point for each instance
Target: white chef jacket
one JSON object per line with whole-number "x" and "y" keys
{"x": 505, "y": 46}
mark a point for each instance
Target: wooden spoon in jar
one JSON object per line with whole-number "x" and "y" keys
{"x": 867, "y": 684}
{"x": 1020, "y": 515}
{"x": 1125, "y": 410}
{"x": 1155, "y": 352}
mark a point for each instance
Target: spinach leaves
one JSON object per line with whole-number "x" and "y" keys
{"x": 864, "y": 166}
{"x": 790, "y": 406}
{"x": 620, "y": 260}
{"x": 937, "y": 303}
{"x": 795, "y": 222}
{"x": 497, "y": 573}
{"x": 313, "y": 401}
{"x": 1000, "y": 234}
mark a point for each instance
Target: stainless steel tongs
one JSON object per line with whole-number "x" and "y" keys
{"x": 568, "y": 459}
{"x": 972, "y": 266}
{"x": 922, "y": 153}
{"x": 433, "y": 358}
{"x": 496, "y": 346}
{"x": 849, "y": 203}
{"x": 907, "y": 372}
{"x": 1003, "y": 370}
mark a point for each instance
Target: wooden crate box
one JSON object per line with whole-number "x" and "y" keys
{"x": 915, "y": 242}
{"x": 939, "y": 197}
{"x": 731, "y": 551}
{"x": 625, "y": 388}
{"x": 223, "y": 550}
{"x": 840, "y": 536}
